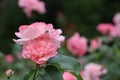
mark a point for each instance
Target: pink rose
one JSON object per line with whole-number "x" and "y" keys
{"x": 105, "y": 28}
{"x": 40, "y": 49}
{"x": 95, "y": 70}
{"x": 77, "y": 44}
{"x": 30, "y": 32}
{"x": 95, "y": 44}
{"x": 86, "y": 76}
{"x": 92, "y": 71}
{"x": 113, "y": 32}
{"x": 117, "y": 30}
{"x": 32, "y": 5}
{"x": 9, "y": 58}
{"x": 116, "y": 19}
{"x": 68, "y": 76}
{"x": 109, "y": 29}
{"x": 40, "y": 41}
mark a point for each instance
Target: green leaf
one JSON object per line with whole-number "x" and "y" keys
{"x": 29, "y": 74}
{"x": 16, "y": 48}
{"x": 51, "y": 73}
{"x": 66, "y": 63}
{"x": 79, "y": 77}
{"x": 39, "y": 77}
{"x": 105, "y": 39}
{"x": 41, "y": 71}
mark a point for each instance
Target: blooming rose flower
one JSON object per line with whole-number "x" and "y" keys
{"x": 95, "y": 44}
{"x": 92, "y": 71}
{"x": 95, "y": 69}
{"x": 86, "y": 76}
{"x": 40, "y": 41}
{"x": 116, "y": 19}
{"x": 77, "y": 44}
{"x": 105, "y": 28}
{"x": 40, "y": 49}
{"x": 68, "y": 76}
{"x": 32, "y": 5}
{"x": 30, "y": 32}
{"x": 9, "y": 58}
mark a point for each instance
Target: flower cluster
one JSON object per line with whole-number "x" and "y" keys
{"x": 32, "y": 5}
{"x": 40, "y": 41}
{"x": 105, "y": 28}
{"x": 91, "y": 71}
{"x": 110, "y": 29}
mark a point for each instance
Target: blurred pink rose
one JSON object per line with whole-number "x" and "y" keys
{"x": 68, "y": 76}
{"x": 9, "y": 58}
{"x": 32, "y": 5}
{"x": 77, "y": 44}
{"x": 95, "y": 44}
{"x": 40, "y": 41}
{"x": 116, "y": 18}
{"x": 105, "y": 28}
{"x": 109, "y": 29}
{"x": 117, "y": 30}
{"x": 86, "y": 76}
{"x": 113, "y": 33}
{"x": 93, "y": 71}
